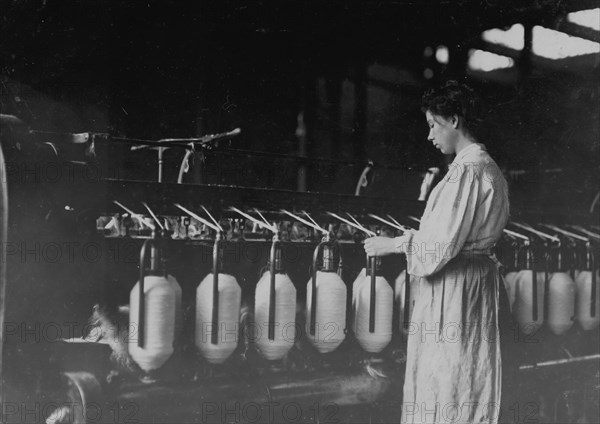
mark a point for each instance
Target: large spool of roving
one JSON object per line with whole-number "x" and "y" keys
{"x": 528, "y": 308}
{"x": 326, "y": 320}
{"x": 374, "y": 309}
{"x": 152, "y": 304}
{"x": 510, "y": 279}
{"x": 588, "y": 295}
{"x": 275, "y": 308}
{"x": 158, "y": 252}
{"x": 561, "y": 296}
{"x": 218, "y": 303}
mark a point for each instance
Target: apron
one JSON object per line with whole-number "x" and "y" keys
{"x": 454, "y": 362}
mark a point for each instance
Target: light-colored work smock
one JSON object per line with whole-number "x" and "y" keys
{"x": 453, "y": 370}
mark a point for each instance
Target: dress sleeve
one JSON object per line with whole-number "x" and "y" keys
{"x": 444, "y": 230}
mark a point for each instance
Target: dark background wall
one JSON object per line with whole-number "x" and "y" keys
{"x": 355, "y": 69}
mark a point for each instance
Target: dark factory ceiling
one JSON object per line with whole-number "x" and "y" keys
{"x": 170, "y": 68}
{"x": 44, "y": 39}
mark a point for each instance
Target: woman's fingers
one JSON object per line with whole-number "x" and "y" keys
{"x": 379, "y": 246}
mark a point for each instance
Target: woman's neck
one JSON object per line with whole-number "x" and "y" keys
{"x": 463, "y": 142}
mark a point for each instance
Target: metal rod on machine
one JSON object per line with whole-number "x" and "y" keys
{"x": 546, "y": 237}
{"x": 216, "y": 266}
{"x": 352, "y": 224}
{"x": 215, "y": 300}
{"x": 305, "y": 222}
{"x": 154, "y": 402}
{"x": 153, "y": 216}
{"x": 273, "y": 258}
{"x": 172, "y": 142}
{"x": 414, "y": 218}
{"x": 142, "y": 301}
{"x": 516, "y": 235}
{"x": 372, "y": 263}
{"x": 406, "y": 278}
{"x": 585, "y": 231}
{"x": 385, "y": 221}
{"x": 568, "y": 234}
{"x": 272, "y": 291}
{"x": 3, "y": 240}
{"x": 313, "y": 224}
{"x": 538, "y": 233}
{"x": 199, "y": 218}
{"x": 137, "y": 216}
{"x": 256, "y": 221}
{"x": 580, "y": 359}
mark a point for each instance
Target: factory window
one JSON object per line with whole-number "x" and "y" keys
{"x": 441, "y": 54}
{"x": 557, "y": 45}
{"x": 513, "y": 37}
{"x": 587, "y": 18}
{"x": 480, "y": 60}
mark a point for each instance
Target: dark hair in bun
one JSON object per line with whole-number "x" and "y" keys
{"x": 454, "y": 98}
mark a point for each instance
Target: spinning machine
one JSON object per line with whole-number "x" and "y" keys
{"x": 251, "y": 301}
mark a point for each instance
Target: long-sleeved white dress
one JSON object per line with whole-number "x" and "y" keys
{"x": 453, "y": 370}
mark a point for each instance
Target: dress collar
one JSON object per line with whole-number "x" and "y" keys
{"x": 460, "y": 155}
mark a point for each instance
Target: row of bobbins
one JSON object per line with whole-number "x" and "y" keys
{"x": 157, "y": 317}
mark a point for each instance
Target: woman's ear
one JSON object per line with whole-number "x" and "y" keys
{"x": 455, "y": 121}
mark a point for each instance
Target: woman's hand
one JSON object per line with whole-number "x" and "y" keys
{"x": 380, "y": 246}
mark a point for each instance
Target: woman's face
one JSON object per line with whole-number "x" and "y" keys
{"x": 442, "y": 133}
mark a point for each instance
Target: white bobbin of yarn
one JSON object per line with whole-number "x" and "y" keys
{"x": 329, "y": 328}
{"x": 578, "y": 296}
{"x": 523, "y": 305}
{"x": 561, "y": 303}
{"x": 230, "y": 299}
{"x": 560, "y": 296}
{"x": 376, "y": 341}
{"x": 151, "y": 343}
{"x": 584, "y": 282}
{"x": 159, "y": 328}
{"x": 285, "y": 315}
{"x": 283, "y": 326}
{"x": 529, "y": 280}
{"x": 330, "y": 322}
{"x": 510, "y": 279}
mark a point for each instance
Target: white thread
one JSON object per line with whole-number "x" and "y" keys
{"x": 230, "y": 302}
{"x": 159, "y": 328}
{"x": 384, "y": 306}
{"x": 561, "y": 303}
{"x": 285, "y": 316}
{"x": 523, "y": 306}
{"x": 330, "y": 321}
{"x": 583, "y": 283}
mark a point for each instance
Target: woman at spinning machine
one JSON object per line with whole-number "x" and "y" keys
{"x": 454, "y": 366}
